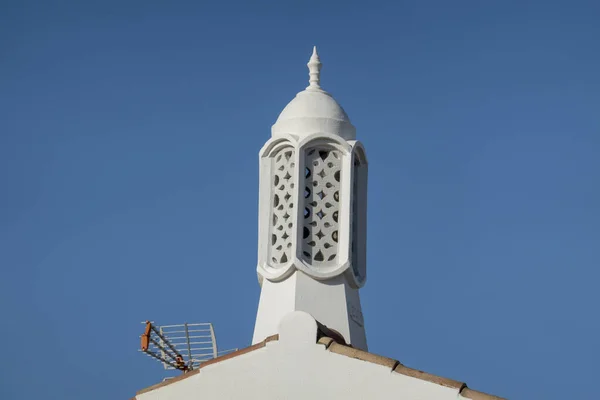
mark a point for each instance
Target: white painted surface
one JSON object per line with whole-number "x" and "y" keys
{"x": 314, "y": 110}
{"x": 333, "y": 303}
{"x": 296, "y": 367}
{"x": 312, "y": 216}
{"x": 272, "y": 184}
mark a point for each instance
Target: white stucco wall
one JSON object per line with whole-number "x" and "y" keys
{"x": 296, "y": 367}
{"x": 333, "y": 303}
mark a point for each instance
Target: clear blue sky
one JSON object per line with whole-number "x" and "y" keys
{"x": 129, "y": 135}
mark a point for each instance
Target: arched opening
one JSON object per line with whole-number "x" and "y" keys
{"x": 322, "y": 175}
{"x": 282, "y": 206}
{"x": 359, "y": 213}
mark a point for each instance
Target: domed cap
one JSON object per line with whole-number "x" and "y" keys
{"x": 314, "y": 110}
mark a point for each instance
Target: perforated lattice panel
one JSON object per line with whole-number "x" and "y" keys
{"x": 321, "y": 205}
{"x": 282, "y": 206}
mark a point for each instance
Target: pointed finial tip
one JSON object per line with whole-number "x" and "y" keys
{"x": 315, "y": 56}
{"x": 314, "y": 68}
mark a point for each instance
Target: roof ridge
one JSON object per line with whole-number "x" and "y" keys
{"x": 397, "y": 367}
{"x": 346, "y": 350}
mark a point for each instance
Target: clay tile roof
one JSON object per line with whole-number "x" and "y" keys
{"x": 345, "y": 350}
{"x": 397, "y": 367}
{"x": 476, "y": 395}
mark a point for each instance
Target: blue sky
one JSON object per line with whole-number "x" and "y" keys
{"x": 129, "y": 136}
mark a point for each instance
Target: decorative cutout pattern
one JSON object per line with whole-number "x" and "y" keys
{"x": 282, "y": 206}
{"x": 321, "y": 205}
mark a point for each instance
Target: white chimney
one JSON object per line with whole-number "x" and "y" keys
{"x": 312, "y": 216}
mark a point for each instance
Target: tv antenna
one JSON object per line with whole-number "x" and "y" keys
{"x": 181, "y": 347}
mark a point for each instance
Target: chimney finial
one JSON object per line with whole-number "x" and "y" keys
{"x": 314, "y": 68}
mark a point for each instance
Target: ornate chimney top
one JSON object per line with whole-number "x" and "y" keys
{"x": 314, "y": 110}
{"x": 314, "y": 68}
{"x": 312, "y": 217}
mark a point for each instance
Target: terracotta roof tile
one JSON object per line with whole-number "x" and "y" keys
{"x": 326, "y": 341}
{"x": 397, "y": 367}
{"x": 342, "y": 349}
{"x": 415, "y": 373}
{"x": 476, "y": 395}
{"x": 362, "y": 355}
